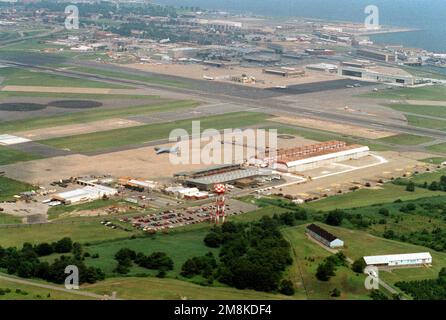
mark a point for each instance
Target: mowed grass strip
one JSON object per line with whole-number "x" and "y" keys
{"x": 434, "y": 93}
{"x": 77, "y": 96}
{"x": 10, "y": 187}
{"x": 426, "y": 122}
{"x": 366, "y": 197}
{"x": 121, "y": 137}
{"x": 406, "y": 139}
{"x": 8, "y": 156}
{"x": 94, "y": 115}
{"x": 80, "y": 230}
{"x": 432, "y": 111}
{"x": 21, "y": 77}
{"x": 151, "y": 288}
{"x": 136, "y": 77}
{"x": 441, "y": 147}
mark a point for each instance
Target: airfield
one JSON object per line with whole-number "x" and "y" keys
{"x": 113, "y": 132}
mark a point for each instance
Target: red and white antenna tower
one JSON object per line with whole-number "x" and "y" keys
{"x": 220, "y": 190}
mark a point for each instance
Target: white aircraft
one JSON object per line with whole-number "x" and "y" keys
{"x": 160, "y": 150}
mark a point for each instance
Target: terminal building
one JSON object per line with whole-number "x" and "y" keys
{"x": 315, "y": 156}
{"x": 400, "y": 260}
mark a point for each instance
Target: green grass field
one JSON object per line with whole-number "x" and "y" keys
{"x": 426, "y": 122}
{"x": 433, "y": 111}
{"x": 307, "y": 256}
{"x": 21, "y": 77}
{"x": 366, "y": 197}
{"x": 8, "y": 156}
{"x": 180, "y": 246}
{"x": 435, "y": 93}
{"x": 406, "y": 139}
{"x": 122, "y": 137}
{"x": 80, "y": 230}
{"x": 171, "y": 289}
{"x": 429, "y": 176}
{"x": 9, "y": 219}
{"x": 441, "y": 147}
{"x": 435, "y": 160}
{"x": 124, "y": 75}
{"x": 94, "y": 115}
{"x": 10, "y": 187}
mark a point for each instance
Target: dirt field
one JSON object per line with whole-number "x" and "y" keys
{"x": 139, "y": 163}
{"x": 198, "y": 71}
{"x": 74, "y": 129}
{"x": 334, "y": 127}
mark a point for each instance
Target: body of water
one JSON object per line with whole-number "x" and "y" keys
{"x": 427, "y": 15}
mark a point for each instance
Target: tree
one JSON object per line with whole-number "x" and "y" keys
{"x": 286, "y": 287}
{"x": 335, "y": 217}
{"x": 359, "y": 265}
{"x": 212, "y": 239}
{"x": 335, "y": 293}
{"x": 384, "y": 211}
{"x": 325, "y": 271}
{"x": 43, "y": 249}
{"x": 64, "y": 245}
{"x": 410, "y": 186}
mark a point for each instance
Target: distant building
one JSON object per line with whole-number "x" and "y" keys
{"x": 324, "y": 237}
{"x": 376, "y": 75}
{"x": 399, "y": 260}
{"x": 89, "y": 193}
{"x": 323, "y": 67}
{"x": 315, "y": 156}
{"x": 376, "y": 55}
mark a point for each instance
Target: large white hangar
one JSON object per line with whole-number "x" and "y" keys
{"x": 316, "y": 155}
{"x": 399, "y": 260}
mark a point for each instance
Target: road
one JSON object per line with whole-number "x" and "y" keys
{"x": 52, "y": 287}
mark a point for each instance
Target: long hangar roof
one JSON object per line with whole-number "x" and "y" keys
{"x": 385, "y": 259}
{"x": 322, "y": 232}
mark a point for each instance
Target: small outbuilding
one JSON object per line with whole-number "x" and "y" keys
{"x": 323, "y": 236}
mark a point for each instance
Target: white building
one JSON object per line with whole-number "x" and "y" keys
{"x": 89, "y": 193}
{"x": 313, "y": 162}
{"x": 376, "y": 76}
{"x": 396, "y": 260}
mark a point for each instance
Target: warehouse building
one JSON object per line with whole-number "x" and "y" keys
{"x": 400, "y": 260}
{"x": 376, "y": 76}
{"x": 207, "y": 182}
{"x": 376, "y": 55}
{"x": 287, "y": 73}
{"x": 324, "y": 237}
{"x": 88, "y": 193}
{"x": 316, "y": 155}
